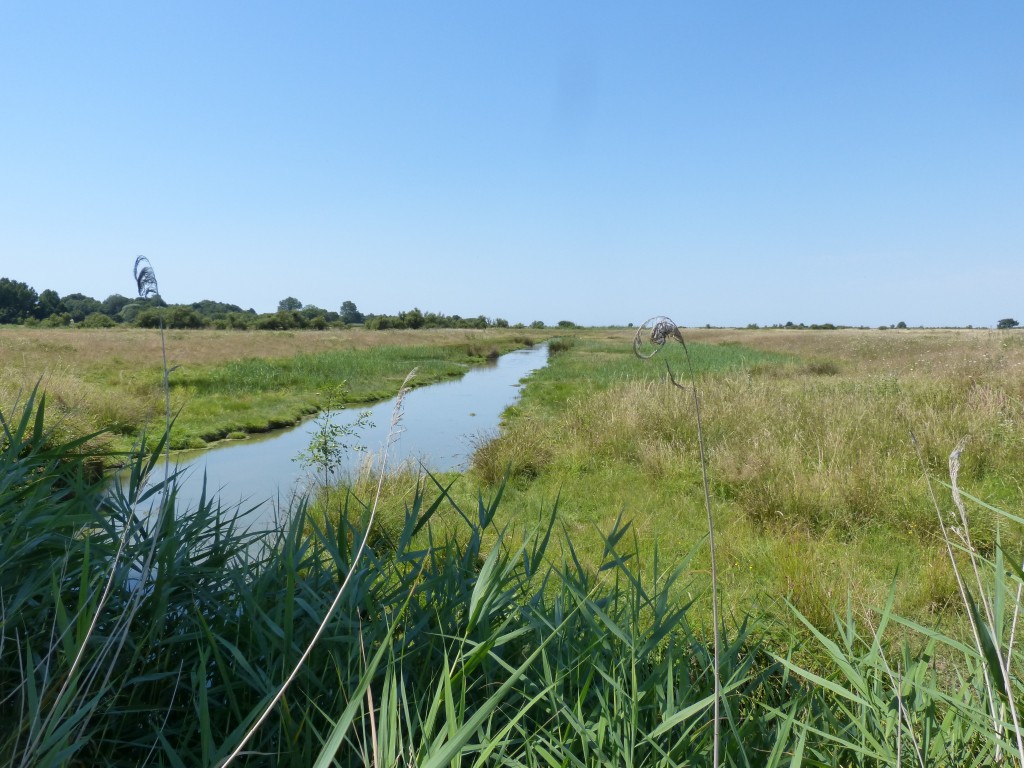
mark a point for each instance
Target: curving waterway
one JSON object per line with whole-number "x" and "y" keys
{"x": 440, "y": 425}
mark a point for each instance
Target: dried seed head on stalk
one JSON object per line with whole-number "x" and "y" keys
{"x": 650, "y": 338}
{"x": 954, "y": 477}
{"x": 652, "y": 335}
{"x": 145, "y": 278}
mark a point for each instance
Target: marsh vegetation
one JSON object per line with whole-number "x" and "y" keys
{"x": 550, "y": 606}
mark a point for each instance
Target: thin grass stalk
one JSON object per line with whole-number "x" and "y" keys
{"x": 1013, "y": 623}
{"x": 711, "y": 547}
{"x": 964, "y": 531}
{"x": 962, "y": 588}
{"x": 369, "y": 703}
{"x": 145, "y": 278}
{"x": 393, "y": 431}
{"x": 662, "y": 328}
{"x": 1004, "y": 668}
{"x": 1013, "y": 626}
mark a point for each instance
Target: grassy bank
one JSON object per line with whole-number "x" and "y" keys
{"x": 226, "y": 383}
{"x": 818, "y": 491}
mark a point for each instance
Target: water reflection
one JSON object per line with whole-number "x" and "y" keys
{"x": 439, "y": 425}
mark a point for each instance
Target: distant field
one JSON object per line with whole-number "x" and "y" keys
{"x": 225, "y": 382}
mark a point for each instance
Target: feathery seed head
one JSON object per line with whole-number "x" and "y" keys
{"x": 652, "y": 334}
{"x": 145, "y": 278}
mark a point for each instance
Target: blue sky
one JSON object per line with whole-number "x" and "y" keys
{"x": 723, "y": 163}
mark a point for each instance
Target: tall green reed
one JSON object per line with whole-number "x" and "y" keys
{"x": 480, "y": 644}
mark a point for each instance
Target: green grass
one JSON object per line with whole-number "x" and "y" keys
{"x": 466, "y": 635}
{"x": 258, "y": 394}
{"x": 225, "y": 382}
{"x": 817, "y": 490}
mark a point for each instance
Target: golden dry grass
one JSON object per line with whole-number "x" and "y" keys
{"x": 35, "y": 350}
{"x": 918, "y": 352}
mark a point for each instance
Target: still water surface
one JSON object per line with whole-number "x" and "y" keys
{"x": 440, "y": 424}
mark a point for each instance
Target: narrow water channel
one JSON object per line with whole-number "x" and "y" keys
{"x": 440, "y": 425}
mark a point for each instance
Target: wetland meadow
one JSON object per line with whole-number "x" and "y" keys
{"x": 551, "y": 603}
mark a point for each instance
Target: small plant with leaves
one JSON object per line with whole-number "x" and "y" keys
{"x": 331, "y": 440}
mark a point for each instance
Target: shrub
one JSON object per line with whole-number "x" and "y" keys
{"x": 183, "y": 317}
{"x": 57, "y": 321}
{"x": 279, "y": 321}
{"x": 98, "y": 320}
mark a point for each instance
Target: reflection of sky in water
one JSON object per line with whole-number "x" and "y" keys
{"x": 438, "y": 427}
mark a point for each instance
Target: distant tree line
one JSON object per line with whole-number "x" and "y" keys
{"x": 21, "y": 304}
{"x": 415, "y": 318}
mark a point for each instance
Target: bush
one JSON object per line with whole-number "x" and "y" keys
{"x": 98, "y": 320}
{"x": 183, "y": 317}
{"x": 239, "y": 320}
{"x": 280, "y": 321}
{"x": 149, "y": 318}
{"x": 56, "y": 321}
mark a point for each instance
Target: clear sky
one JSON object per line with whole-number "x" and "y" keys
{"x": 717, "y": 162}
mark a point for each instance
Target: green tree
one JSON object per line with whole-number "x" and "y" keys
{"x": 1007, "y": 322}
{"x": 130, "y": 312}
{"x": 289, "y": 304}
{"x": 214, "y": 309}
{"x": 79, "y": 306}
{"x": 411, "y": 319}
{"x": 312, "y": 311}
{"x": 49, "y": 304}
{"x": 113, "y": 304}
{"x": 18, "y": 301}
{"x": 350, "y": 315}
